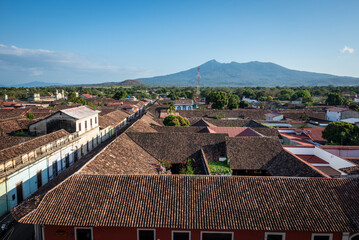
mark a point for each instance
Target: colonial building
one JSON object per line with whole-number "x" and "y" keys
{"x": 150, "y": 207}
{"x": 26, "y": 166}
{"x": 79, "y": 119}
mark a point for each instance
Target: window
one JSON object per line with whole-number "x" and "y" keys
{"x": 67, "y": 161}
{"x": 91, "y": 122}
{"x": 54, "y": 169}
{"x": 274, "y": 236}
{"x": 146, "y": 234}
{"x": 39, "y": 178}
{"x": 322, "y": 236}
{"x": 76, "y": 155}
{"x": 95, "y": 120}
{"x": 19, "y": 193}
{"x": 83, "y": 233}
{"x": 79, "y": 127}
{"x": 216, "y": 236}
{"x": 86, "y": 125}
{"x": 181, "y": 235}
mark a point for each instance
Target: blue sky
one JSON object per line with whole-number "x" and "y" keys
{"x": 98, "y": 41}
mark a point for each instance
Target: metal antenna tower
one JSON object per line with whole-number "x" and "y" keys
{"x": 198, "y": 77}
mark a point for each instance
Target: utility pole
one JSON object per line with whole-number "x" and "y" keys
{"x": 198, "y": 77}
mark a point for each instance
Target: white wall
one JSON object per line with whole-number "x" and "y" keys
{"x": 333, "y": 116}
{"x": 334, "y": 161}
{"x": 95, "y": 123}
{"x": 345, "y": 153}
{"x": 300, "y": 150}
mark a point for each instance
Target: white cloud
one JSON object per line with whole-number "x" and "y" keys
{"x": 52, "y": 64}
{"x": 35, "y": 72}
{"x": 347, "y": 49}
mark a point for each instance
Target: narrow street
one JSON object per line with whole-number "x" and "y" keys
{"x": 17, "y": 231}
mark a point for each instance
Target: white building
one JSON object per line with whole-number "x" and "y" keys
{"x": 186, "y": 104}
{"x": 336, "y": 114}
{"x": 27, "y": 166}
{"x": 79, "y": 119}
{"x": 274, "y": 116}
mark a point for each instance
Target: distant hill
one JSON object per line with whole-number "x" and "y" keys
{"x": 236, "y": 74}
{"x": 37, "y": 84}
{"x": 132, "y": 83}
{"x": 123, "y": 83}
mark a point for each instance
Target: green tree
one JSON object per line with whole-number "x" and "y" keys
{"x": 173, "y": 120}
{"x": 243, "y": 104}
{"x": 171, "y": 108}
{"x": 144, "y": 95}
{"x": 354, "y": 107}
{"x": 30, "y": 115}
{"x": 168, "y": 119}
{"x": 341, "y": 133}
{"x": 183, "y": 121}
{"x": 154, "y": 96}
{"x": 334, "y": 99}
{"x": 248, "y": 93}
{"x": 121, "y": 94}
{"x": 220, "y": 100}
{"x": 233, "y": 101}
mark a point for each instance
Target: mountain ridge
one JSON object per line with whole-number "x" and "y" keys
{"x": 254, "y": 73}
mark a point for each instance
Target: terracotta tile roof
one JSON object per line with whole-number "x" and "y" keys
{"x": 210, "y": 122}
{"x": 254, "y": 114}
{"x": 252, "y": 153}
{"x": 354, "y": 160}
{"x": 234, "y": 131}
{"x": 350, "y": 170}
{"x": 112, "y": 118}
{"x": 122, "y": 156}
{"x": 176, "y": 147}
{"x": 202, "y": 123}
{"x": 287, "y": 164}
{"x": 315, "y": 134}
{"x": 86, "y": 95}
{"x": 8, "y": 114}
{"x": 14, "y": 125}
{"x": 30, "y": 145}
{"x": 9, "y": 141}
{"x": 144, "y": 124}
{"x": 115, "y": 104}
{"x": 191, "y": 129}
{"x": 266, "y": 131}
{"x": 337, "y": 109}
{"x": 312, "y": 159}
{"x": 198, "y": 202}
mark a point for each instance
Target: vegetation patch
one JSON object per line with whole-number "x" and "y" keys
{"x": 220, "y": 168}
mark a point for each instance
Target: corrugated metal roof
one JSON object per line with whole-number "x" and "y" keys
{"x": 79, "y": 112}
